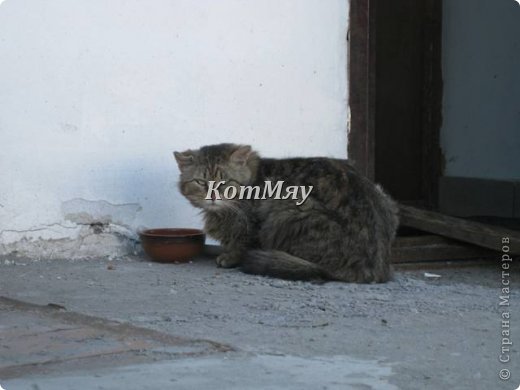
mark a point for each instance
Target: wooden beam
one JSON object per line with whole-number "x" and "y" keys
{"x": 416, "y": 249}
{"x": 487, "y": 236}
{"x": 430, "y": 248}
{"x": 443, "y": 265}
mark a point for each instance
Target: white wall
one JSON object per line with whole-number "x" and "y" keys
{"x": 95, "y": 95}
{"x": 480, "y": 135}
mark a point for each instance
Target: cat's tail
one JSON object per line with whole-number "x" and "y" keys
{"x": 282, "y": 265}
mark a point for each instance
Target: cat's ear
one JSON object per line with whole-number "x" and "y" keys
{"x": 241, "y": 155}
{"x": 184, "y": 159}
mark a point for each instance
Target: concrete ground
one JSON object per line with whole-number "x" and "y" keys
{"x": 193, "y": 326}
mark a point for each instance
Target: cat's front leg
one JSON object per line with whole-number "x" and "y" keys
{"x": 235, "y": 235}
{"x": 235, "y": 243}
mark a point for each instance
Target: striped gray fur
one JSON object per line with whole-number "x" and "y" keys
{"x": 343, "y": 231}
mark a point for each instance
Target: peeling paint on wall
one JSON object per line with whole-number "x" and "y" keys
{"x": 113, "y": 242}
{"x": 90, "y": 229}
{"x": 80, "y": 241}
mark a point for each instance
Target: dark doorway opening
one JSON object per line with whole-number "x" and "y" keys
{"x": 395, "y": 96}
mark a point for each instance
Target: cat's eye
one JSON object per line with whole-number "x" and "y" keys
{"x": 200, "y": 182}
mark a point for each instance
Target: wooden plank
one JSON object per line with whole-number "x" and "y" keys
{"x": 422, "y": 240}
{"x": 517, "y": 200}
{"x": 443, "y": 264}
{"x": 430, "y": 248}
{"x": 479, "y": 234}
{"x": 411, "y": 249}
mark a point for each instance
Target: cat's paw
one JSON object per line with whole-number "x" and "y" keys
{"x": 228, "y": 260}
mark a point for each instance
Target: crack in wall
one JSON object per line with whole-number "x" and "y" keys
{"x": 84, "y": 211}
{"x": 37, "y": 229}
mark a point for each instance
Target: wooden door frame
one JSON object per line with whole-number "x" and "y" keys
{"x": 361, "y": 72}
{"x": 363, "y": 92}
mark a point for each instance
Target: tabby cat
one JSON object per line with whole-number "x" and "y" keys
{"x": 343, "y": 231}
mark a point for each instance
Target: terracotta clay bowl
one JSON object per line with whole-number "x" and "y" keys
{"x": 172, "y": 245}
